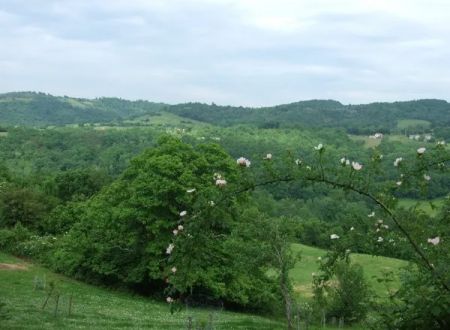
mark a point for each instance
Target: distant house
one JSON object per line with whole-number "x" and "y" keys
{"x": 376, "y": 136}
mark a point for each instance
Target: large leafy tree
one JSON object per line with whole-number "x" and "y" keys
{"x": 166, "y": 225}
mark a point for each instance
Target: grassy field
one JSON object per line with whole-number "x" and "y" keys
{"x": 423, "y": 205}
{"x": 367, "y": 142}
{"x": 99, "y": 308}
{"x": 407, "y": 123}
{"x": 373, "y": 267}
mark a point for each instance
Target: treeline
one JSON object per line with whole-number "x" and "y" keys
{"x": 355, "y": 119}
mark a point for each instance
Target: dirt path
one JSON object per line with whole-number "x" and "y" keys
{"x": 13, "y": 267}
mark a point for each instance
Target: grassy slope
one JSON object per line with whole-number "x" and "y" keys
{"x": 104, "y": 309}
{"x": 373, "y": 267}
{"x": 425, "y": 206}
{"x": 97, "y": 308}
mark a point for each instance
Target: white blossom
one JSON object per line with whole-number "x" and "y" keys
{"x": 189, "y": 191}
{"x": 221, "y": 182}
{"x": 434, "y": 241}
{"x": 352, "y": 229}
{"x": 180, "y": 227}
{"x": 427, "y": 177}
{"x": 268, "y": 157}
{"x": 397, "y": 161}
{"x": 385, "y": 226}
{"x": 298, "y": 162}
{"x": 243, "y": 162}
{"x": 173, "y": 269}
{"x": 371, "y": 215}
{"x": 380, "y": 221}
{"x": 211, "y": 203}
{"x": 343, "y": 160}
{"x": 356, "y": 166}
{"x": 398, "y": 183}
{"x": 319, "y": 147}
{"x": 170, "y": 248}
{"x": 380, "y": 239}
{"x": 175, "y": 232}
{"x": 421, "y": 150}
{"x": 441, "y": 143}
{"x": 334, "y": 236}
{"x": 183, "y": 213}
{"x": 169, "y": 300}
{"x": 217, "y": 176}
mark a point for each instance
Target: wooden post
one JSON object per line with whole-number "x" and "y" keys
{"x": 56, "y": 304}
{"x": 70, "y": 303}
{"x": 48, "y": 297}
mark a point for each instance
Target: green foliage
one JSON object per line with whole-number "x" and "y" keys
{"x": 22, "y": 205}
{"x": 121, "y": 235}
{"x": 39, "y": 109}
{"x": 349, "y": 298}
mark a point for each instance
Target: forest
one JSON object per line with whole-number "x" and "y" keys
{"x": 201, "y": 207}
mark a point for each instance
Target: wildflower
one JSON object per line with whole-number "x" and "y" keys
{"x": 352, "y": 229}
{"x": 380, "y": 239}
{"x": 348, "y": 251}
{"x": 268, "y": 157}
{"x": 169, "y": 300}
{"x": 211, "y": 203}
{"x": 298, "y": 162}
{"x": 434, "y": 241}
{"x": 243, "y": 162}
{"x": 356, "y": 166}
{"x": 180, "y": 227}
{"x": 371, "y": 215}
{"x": 441, "y": 143}
{"x": 319, "y": 147}
{"x": 385, "y": 226}
{"x": 427, "y": 177}
{"x": 173, "y": 269}
{"x": 183, "y": 213}
{"x": 334, "y": 236}
{"x": 399, "y": 183}
{"x": 421, "y": 150}
{"x": 217, "y": 176}
{"x": 380, "y": 221}
{"x": 175, "y": 232}
{"x": 221, "y": 182}
{"x": 343, "y": 160}
{"x": 397, "y": 161}
{"x": 308, "y": 168}
{"x": 190, "y": 191}
{"x": 170, "y": 248}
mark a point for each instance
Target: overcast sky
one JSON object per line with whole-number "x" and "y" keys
{"x": 239, "y": 52}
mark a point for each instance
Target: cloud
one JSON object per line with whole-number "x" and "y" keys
{"x": 241, "y": 52}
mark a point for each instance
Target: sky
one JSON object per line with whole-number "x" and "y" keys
{"x": 230, "y": 52}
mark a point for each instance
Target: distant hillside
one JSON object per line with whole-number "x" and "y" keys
{"x": 356, "y": 119}
{"x": 411, "y": 117}
{"x": 39, "y": 109}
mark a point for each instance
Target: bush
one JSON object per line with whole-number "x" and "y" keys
{"x": 11, "y": 237}
{"x": 341, "y": 290}
{"x": 349, "y": 299}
